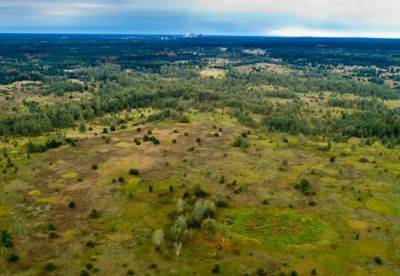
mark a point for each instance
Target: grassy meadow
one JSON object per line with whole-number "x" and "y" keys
{"x": 292, "y": 205}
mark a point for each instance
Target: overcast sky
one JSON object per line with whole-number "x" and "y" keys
{"x": 356, "y": 18}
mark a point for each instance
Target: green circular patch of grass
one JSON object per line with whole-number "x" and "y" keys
{"x": 275, "y": 227}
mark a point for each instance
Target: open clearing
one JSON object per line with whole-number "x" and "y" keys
{"x": 269, "y": 224}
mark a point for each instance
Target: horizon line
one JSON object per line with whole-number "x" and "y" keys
{"x": 197, "y": 35}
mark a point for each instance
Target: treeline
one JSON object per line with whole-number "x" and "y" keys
{"x": 49, "y": 144}
{"x": 130, "y": 90}
{"x": 60, "y": 87}
{"x": 143, "y": 91}
{"x": 374, "y": 121}
{"x": 362, "y": 104}
{"x": 304, "y": 83}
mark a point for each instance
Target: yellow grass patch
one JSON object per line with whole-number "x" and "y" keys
{"x": 55, "y": 186}
{"x": 69, "y": 234}
{"x": 69, "y": 175}
{"x": 213, "y": 73}
{"x": 132, "y": 185}
{"x": 379, "y": 206}
{"x": 34, "y": 193}
{"x": 44, "y": 200}
{"x": 103, "y": 150}
{"x": 357, "y": 224}
{"x": 4, "y": 210}
{"x": 118, "y": 237}
{"x": 123, "y": 145}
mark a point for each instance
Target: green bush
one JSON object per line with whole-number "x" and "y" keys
{"x": 363, "y": 160}
{"x": 180, "y": 206}
{"x": 134, "y": 172}
{"x": 71, "y": 204}
{"x": 184, "y": 119}
{"x": 198, "y": 191}
{"x": 12, "y": 258}
{"x": 260, "y": 272}
{"x": 220, "y": 201}
{"x": 90, "y": 244}
{"x": 216, "y": 269}
{"x": 304, "y": 187}
{"x": 378, "y": 260}
{"x": 208, "y": 225}
{"x": 50, "y": 266}
{"x": 6, "y": 239}
{"x": 84, "y": 273}
{"x": 312, "y": 203}
{"x": 155, "y": 140}
{"x": 51, "y": 227}
{"x": 202, "y": 209}
{"x": 94, "y": 214}
{"x": 241, "y": 142}
{"x": 49, "y": 144}
{"x": 137, "y": 142}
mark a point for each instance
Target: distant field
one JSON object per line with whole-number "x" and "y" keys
{"x": 215, "y": 73}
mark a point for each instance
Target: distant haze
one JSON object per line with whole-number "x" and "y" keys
{"x": 332, "y": 18}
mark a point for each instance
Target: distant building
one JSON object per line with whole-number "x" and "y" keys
{"x": 191, "y": 35}
{"x": 254, "y": 52}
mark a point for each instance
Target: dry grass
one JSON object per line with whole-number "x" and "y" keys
{"x": 213, "y": 73}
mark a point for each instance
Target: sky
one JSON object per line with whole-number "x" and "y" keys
{"x": 328, "y": 18}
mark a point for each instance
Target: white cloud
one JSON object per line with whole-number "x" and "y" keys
{"x": 85, "y": 7}
{"x": 382, "y": 12}
{"x": 62, "y": 8}
{"x": 73, "y": 9}
{"x": 285, "y": 17}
